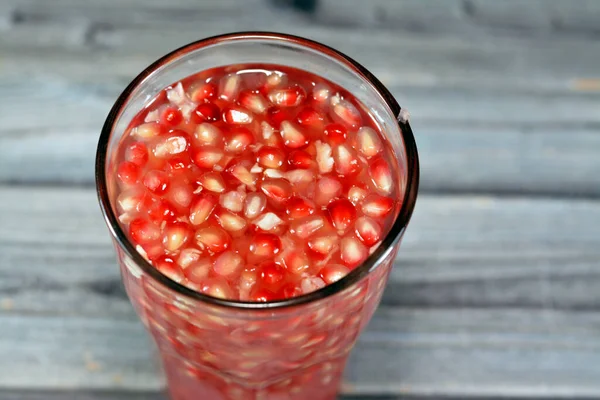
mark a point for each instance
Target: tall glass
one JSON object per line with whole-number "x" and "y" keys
{"x": 296, "y": 348}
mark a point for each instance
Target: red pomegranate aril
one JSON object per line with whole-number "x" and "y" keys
{"x": 381, "y": 175}
{"x": 228, "y": 263}
{"x": 206, "y": 112}
{"x": 290, "y": 290}
{"x": 321, "y": 93}
{"x": 333, "y": 272}
{"x": 265, "y": 245}
{"x": 254, "y": 102}
{"x": 237, "y": 115}
{"x": 137, "y": 153}
{"x": 356, "y": 194}
{"x": 368, "y": 142}
{"x": 217, "y": 287}
{"x": 212, "y": 181}
{"x": 300, "y": 159}
{"x": 215, "y": 239}
{"x": 229, "y": 221}
{"x": 188, "y": 257}
{"x": 296, "y": 261}
{"x": 176, "y": 235}
{"x": 254, "y": 205}
{"x": 276, "y": 116}
{"x": 311, "y": 284}
{"x": 207, "y": 156}
{"x": 292, "y": 136}
{"x": 169, "y": 268}
{"x": 143, "y": 231}
{"x": 204, "y": 91}
{"x": 270, "y": 157}
{"x": 171, "y": 116}
{"x": 271, "y": 273}
{"x": 161, "y": 211}
{"x": 377, "y": 206}
{"x": 128, "y": 172}
{"x": 197, "y": 271}
{"x": 336, "y": 133}
{"x": 323, "y": 244}
{"x": 268, "y": 221}
{"x": 130, "y": 199}
{"x": 345, "y": 112}
{"x": 156, "y": 181}
{"x": 324, "y": 159}
{"x": 346, "y": 162}
{"x": 309, "y": 117}
{"x": 367, "y": 230}
{"x": 180, "y": 194}
{"x": 202, "y": 207}
{"x": 289, "y": 97}
{"x": 168, "y": 146}
{"x": 242, "y": 173}
{"x": 239, "y": 140}
{"x": 262, "y": 295}
{"x": 233, "y": 201}
{"x": 278, "y": 190}
{"x": 342, "y": 214}
{"x": 304, "y": 228}
{"x": 208, "y": 134}
{"x": 299, "y": 207}
{"x": 300, "y": 176}
{"x": 147, "y": 130}
{"x": 229, "y": 87}
{"x": 178, "y": 163}
{"x": 327, "y": 189}
{"x": 352, "y": 252}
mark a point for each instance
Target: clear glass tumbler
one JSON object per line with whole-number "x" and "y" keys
{"x": 219, "y": 349}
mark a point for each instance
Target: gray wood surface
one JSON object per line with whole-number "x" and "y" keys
{"x": 496, "y": 291}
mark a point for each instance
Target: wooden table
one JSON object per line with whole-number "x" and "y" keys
{"x": 496, "y": 292}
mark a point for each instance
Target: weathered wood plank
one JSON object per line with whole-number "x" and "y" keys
{"x": 56, "y": 256}
{"x": 456, "y": 353}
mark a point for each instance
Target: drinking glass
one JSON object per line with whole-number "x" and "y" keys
{"x": 218, "y": 349}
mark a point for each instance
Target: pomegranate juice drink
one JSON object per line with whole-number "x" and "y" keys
{"x": 257, "y": 187}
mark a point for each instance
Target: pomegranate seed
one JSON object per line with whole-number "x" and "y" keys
{"x": 299, "y": 207}
{"x": 268, "y": 221}
{"x": 324, "y": 244}
{"x": 273, "y": 173}
{"x": 176, "y": 235}
{"x": 152, "y": 116}
{"x": 204, "y": 91}
{"x": 311, "y": 284}
{"x": 179, "y": 163}
{"x": 278, "y": 190}
{"x": 321, "y": 93}
{"x": 188, "y": 257}
{"x": 208, "y": 134}
{"x": 265, "y": 245}
{"x": 289, "y": 97}
{"x": 276, "y": 116}
{"x": 256, "y": 169}
{"x": 262, "y": 295}
{"x": 304, "y": 228}
{"x": 290, "y": 290}
{"x": 128, "y": 172}
{"x": 170, "y": 146}
{"x": 333, "y": 272}
{"x": 254, "y": 205}
{"x": 292, "y": 137}
{"x": 368, "y": 142}
{"x": 156, "y": 181}
{"x": 147, "y": 130}
{"x": 300, "y": 159}
{"x": 346, "y": 162}
{"x": 270, "y": 157}
{"x": 271, "y": 273}
{"x": 197, "y": 271}
{"x": 266, "y": 130}
{"x": 324, "y": 158}
{"x": 243, "y": 174}
{"x": 238, "y": 140}
{"x": 205, "y": 112}
{"x": 309, "y": 117}
{"x": 296, "y": 261}
{"x": 215, "y": 239}
{"x": 217, "y": 288}
{"x": 233, "y": 201}
{"x": 356, "y": 194}
{"x": 327, "y": 189}
{"x": 207, "y": 156}
{"x": 161, "y": 211}
{"x": 300, "y": 176}
{"x": 168, "y": 268}
{"x": 181, "y": 194}
{"x": 212, "y": 181}
{"x": 137, "y": 154}
{"x": 229, "y": 87}
{"x": 247, "y": 280}
{"x": 275, "y": 78}
{"x": 342, "y": 214}
{"x": 381, "y": 175}
{"x": 352, "y": 252}
{"x": 151, "y": 251}
{"x": 253, "y": 102}
{"x": 171, "y": 116}
{"x": 202, "y": 208}
{"x": 130, "y": 199}
{"x": 344, "y": 112}
{"x": 230, "y": 222}
{"x": 336, "y": 133}
{"x": 143, "y": 231}
{"x": 228, "y": 263}
{"x": 368, "y": 230}
{"x": 237, "y": 115}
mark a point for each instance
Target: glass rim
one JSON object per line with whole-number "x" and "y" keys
{"x": 357, "y": 274}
